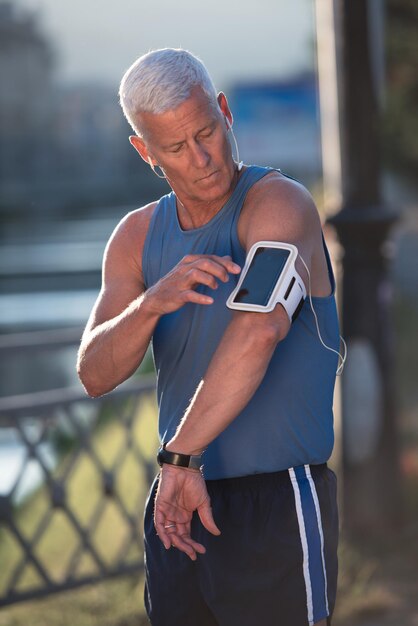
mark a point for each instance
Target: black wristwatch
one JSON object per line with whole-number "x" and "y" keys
{"x": 192, "y": 461}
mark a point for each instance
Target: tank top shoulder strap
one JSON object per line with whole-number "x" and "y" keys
{"x": 329, "y": 264}
{"x": 161, "y": 223}
{"x": 250, "y": 176}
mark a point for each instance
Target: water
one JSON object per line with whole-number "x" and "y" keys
{"x": 36, "y": 310}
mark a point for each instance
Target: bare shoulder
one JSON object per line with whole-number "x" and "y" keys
{"x": 278, "y": 208}
{"x": 281, "y": 205}
{"x": 128, "y": 238}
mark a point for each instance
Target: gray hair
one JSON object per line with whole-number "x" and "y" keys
{"x": 160, "y": 81}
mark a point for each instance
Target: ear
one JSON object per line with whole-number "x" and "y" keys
{"x": 223, "y": 105}
{"x": 140, "y": 147}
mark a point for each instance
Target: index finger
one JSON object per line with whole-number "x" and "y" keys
{"x": 182, "y": 540}
{"x": 225, "y": 261}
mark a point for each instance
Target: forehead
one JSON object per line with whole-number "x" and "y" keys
{"x": 191, "y": 115}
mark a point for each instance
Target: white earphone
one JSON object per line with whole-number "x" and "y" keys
{"x": 153, "y": 169}
{"x": 342, "y": 357}
{"x": 229, "y": 125}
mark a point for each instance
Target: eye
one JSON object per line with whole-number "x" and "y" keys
{"x": 206, "y": 134}
{"x": 175, "y": 150}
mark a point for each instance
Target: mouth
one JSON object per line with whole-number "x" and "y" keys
{"x": 207, "y": 177}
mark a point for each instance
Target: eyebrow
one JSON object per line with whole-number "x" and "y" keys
{"x": 173, "y": 145}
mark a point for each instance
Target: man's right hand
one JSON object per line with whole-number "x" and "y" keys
{"x": 177, "y": 287}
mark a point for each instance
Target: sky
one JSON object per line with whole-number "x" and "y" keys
{"x": 98, "y": 40}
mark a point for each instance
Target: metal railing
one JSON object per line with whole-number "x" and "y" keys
{"x": 71, "y": 512}
{"x": 36, "y": 340}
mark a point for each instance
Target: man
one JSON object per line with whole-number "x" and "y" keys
{"x": 252, "y": 537}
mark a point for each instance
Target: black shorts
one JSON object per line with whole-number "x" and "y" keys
{"x": 275, "y": 563}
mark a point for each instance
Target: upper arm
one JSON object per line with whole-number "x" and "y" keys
{"x": 279, "y": 209}
{"x": 122, "y": 278}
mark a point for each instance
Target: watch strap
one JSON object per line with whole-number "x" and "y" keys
{"x": 192, "y": 461}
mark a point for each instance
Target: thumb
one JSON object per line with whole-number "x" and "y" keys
{"x": 206, "y": 517}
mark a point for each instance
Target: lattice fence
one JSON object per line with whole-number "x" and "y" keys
{"x": 74, "y": 475}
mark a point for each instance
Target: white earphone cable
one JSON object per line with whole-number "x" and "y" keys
{"x": 154, "y": 170}
{"x": 343, "y": 358}
{"x": 240, "y": 163}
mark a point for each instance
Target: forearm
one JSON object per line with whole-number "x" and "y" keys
{"x": 113, "y": 350}
{"x": 234, "y": 374}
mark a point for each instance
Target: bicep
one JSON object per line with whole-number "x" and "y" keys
{"x": 298, "y": 227}
{"x": 282, "y": 213}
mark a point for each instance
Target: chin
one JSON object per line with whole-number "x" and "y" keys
{"x": 220, "y": 184}
{"x": 215, "y": 192}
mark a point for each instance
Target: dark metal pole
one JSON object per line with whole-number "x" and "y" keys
{"x": 371, "y": 499}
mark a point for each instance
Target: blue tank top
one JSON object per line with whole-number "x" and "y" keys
{"x": 289, "y": 420}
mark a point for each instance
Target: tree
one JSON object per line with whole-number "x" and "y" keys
{"x": 400, "y": 122}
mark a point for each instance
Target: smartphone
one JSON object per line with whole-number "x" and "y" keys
{"x": 269, "y": 276}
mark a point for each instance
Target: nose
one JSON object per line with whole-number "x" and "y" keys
{"x": 200, "y": 155}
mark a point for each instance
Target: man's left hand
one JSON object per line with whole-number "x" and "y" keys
{"x": 181, "y": 491}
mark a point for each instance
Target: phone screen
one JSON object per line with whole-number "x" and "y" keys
{"x": 261, "y": 277}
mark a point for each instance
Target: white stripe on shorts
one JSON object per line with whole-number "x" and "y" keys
{"x": 315, "y": 606}
{"x": 321, "y": 532}
{"x": 304, "y": 541}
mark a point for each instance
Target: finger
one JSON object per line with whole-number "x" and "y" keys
{"x": 218, "y": 266}
{"x": 179, "y": 536}
{"x": 159, "y": 523}
{"x": 198, "y": 298}
{"x": 170, "y": 528}
{"x": 233, "y": 268}
{"x": 187, "y": 545}
{"x": 225, "y": 262}
{"x": 163, "y": 536}
{"x": 179, "y": 543}
{"x": 206, "y": 517}
{"x": 183, "y": 531}
{"x": 196, "y": 276}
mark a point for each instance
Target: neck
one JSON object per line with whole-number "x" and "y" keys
{"x": 196, "y": 214}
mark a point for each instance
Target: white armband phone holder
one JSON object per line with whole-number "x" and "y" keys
{"x": 269, "y": 277}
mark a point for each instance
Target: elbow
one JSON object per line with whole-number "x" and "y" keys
{"x": 261, "y": 332}
{"x": 91, "y": 386}
{"x": 92, "y": 392}
{"x": 267, "y": 335}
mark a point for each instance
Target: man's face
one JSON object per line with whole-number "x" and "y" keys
{"x": 190, "y": 143}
